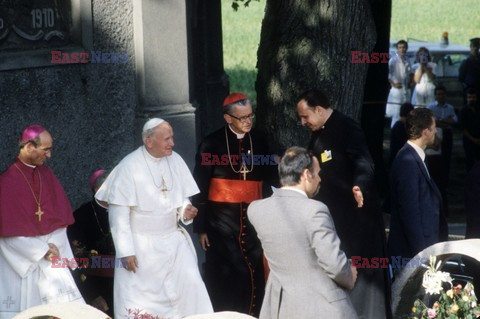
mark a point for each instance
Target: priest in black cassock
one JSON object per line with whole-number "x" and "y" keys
{"x": 233, "y": 168}
{"x": 90, "y": 238}
{"x": 348, "y": 189}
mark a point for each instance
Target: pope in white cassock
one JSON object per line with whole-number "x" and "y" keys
{"x": 147, "y": 195}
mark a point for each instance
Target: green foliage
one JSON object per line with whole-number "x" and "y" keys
{"x": 241, "y": 37}
{"x": 424, "y": 20}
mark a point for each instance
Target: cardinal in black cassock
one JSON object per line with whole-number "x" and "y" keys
{"x": 233, "y": 168}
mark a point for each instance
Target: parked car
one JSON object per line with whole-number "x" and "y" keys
{"x": 448, "y": 58}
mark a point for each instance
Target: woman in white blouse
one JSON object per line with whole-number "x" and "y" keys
{"x": 424, "y": 76}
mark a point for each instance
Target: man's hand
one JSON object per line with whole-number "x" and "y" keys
{"x": 203, "y": 239}
{"x": 52, "y": 252}
{"x": 190, "y": 212}
{"x": 100, "y": 304}
{"x": 358, "y": 195}
{"x": 397, "y": 85}
{"x": 130, "y": 263}
{"x": 354, "y": 276}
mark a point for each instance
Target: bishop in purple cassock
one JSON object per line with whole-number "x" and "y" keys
{"x": 34, "y": 214}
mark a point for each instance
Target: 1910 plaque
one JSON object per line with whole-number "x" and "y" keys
{"x": 33, "y": 27}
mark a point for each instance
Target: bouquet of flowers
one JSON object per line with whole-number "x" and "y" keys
{"x": 455, "y": 303}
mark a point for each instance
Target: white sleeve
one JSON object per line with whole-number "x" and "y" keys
{"x": 119, "y": 218}
{"x": 181, "y": 211}
{"x": 23, "y": 253}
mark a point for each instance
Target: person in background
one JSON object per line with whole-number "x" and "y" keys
{"x": 469, "y": 71}
{"x": 470, "y": 120}
{"x": 424, "y": 75}
{"x": 398, "y": 133}
{"x": 400, "y": 77}
{"x": 445, "y": 118}
{"x": 90, "y": 237}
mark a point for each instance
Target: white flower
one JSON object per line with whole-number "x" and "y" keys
{"x": 433, "y": 278}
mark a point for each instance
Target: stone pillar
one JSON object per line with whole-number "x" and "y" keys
{"x": 162, "y": 77}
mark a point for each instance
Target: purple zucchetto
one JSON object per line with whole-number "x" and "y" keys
{"x": 31, "y": 131}
{"x": 94, "y": 176}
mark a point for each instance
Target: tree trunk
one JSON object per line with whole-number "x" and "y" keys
{"x": 307, "y": 44}
{"x": 376, "y": 92}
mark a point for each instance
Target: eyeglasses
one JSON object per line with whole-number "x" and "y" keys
{"x": 245, "y": 118}
{"x": 47, "y": 149}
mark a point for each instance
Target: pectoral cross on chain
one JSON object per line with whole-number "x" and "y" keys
{"x": 164, "y": 189}
{"x": 244, "y": 171}
{"x": 39, "y": 213}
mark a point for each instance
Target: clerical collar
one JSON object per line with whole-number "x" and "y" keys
{"x": 31, "y": 166}
{"x": 326, "y": 121}
{"x": 239, "y": 136}
{"x": 150, "y": 156}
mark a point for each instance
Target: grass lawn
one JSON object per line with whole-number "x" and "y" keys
{"x": 419, "y": 19}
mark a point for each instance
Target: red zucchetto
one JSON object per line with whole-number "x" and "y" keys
{"x": 234, "y": 97}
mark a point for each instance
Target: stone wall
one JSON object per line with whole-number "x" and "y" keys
{"x": 88, "y": 108}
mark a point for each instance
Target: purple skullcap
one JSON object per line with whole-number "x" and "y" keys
{"x": 31, "y": 131}
{"x": 94, "y": 176}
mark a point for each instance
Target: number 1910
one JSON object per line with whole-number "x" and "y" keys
{"x": 42, "y": 18}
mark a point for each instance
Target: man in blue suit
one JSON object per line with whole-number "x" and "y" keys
{"x": 416, "y": 200}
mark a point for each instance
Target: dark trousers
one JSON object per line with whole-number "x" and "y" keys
{"x": 472, "y": 153}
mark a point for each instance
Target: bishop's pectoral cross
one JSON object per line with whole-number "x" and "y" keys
{"x": 244, "y": 171}
{"x": 39, "y": 213}
{"x": 164, "y": 189}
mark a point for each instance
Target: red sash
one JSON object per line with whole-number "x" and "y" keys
{"x": 234, "y": 190}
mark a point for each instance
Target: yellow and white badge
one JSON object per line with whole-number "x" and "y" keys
{"x": 326, "y": 156}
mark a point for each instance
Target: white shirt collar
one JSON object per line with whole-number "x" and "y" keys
{"x": 31, "y": 166}
{"x": 239, "y": 136}
{"x": 296, "y": 190}
{"x": 418, "y": 149}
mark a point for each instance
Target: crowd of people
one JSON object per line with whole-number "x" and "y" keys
{"x": 278, "y": 231}
{"x": 427, "y": 93}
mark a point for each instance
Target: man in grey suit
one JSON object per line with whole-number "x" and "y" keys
{"x": 309, "y": 274}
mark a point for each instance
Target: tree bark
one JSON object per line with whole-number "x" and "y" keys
{"x": 307, "y": 44}
{"x": 376, "y": 92}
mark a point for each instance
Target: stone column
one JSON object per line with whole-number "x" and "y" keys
{"x": 162, "y": 77}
